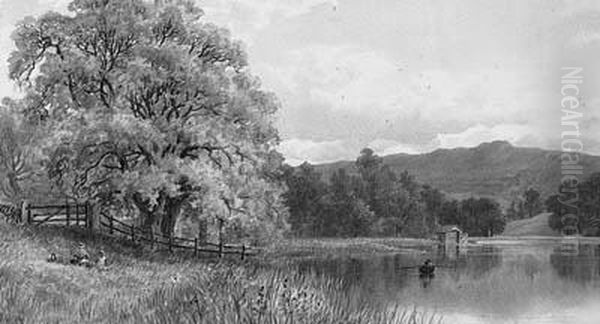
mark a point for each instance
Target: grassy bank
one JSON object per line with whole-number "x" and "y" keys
{"x": 140, "y": 287}
{"x": 534, "y": 226}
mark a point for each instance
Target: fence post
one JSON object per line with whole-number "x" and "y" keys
{"x": 67, "y": 206}
{"x": 152, "y": 238}
{"x": 28, "y": 214}
{"x": 243, "y": 251}
{"x": 196, "y": 246}
{"x": 220, "y": 237}
{"x": 24, "y": 205}
{"x": 87, "y": 216}
{"x": 132, "y": 234}
{"x": 110, "y": 222}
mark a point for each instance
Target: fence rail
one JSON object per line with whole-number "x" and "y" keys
{"x": 80, "y": 215}
{"x": 137, "y": 234}
{"x": 67, "y": 214}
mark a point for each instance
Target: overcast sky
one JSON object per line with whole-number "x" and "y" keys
{"x": 404, "y": 76}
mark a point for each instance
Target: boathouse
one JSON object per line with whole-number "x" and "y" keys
{"x": 450, "y": 235}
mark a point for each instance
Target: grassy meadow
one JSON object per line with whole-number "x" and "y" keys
{"x": 141, "y": 286}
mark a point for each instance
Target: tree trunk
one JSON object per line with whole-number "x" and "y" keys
{"x": 203, "y": 230}
{"x": 149, "y": 216}
{"x": 166, "y": 212}
{"x": 172, "y": 208}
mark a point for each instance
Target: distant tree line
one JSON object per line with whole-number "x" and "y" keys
{"x": 577, "y": 210}
{"x": 375, "y": 201}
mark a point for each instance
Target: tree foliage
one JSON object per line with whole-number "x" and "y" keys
{"x": 21, "y": 171}
{"x": 481, "y": 217}
{"x": 532, "y": 202}
{"x": 151, "y": 106}
{"x": 303, "y": 198}
{"x": 576, "y": 209}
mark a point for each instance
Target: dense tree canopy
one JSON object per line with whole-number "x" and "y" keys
{"x": 148, "y": 104}
{"x": 576, "y": 210}
{"x": 373, "y": 200}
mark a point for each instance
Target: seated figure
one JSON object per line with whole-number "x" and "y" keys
{"x": 101, "y": 262}
{"x": 80, "y": 256}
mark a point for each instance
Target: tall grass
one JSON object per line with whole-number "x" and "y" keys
{"x": 140, "y": 287}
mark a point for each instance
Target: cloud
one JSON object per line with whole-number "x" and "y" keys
{"x": 245, "y": 18}
{"x": 349, "y": 77}
{"x": 473, "y": 136}
{"x": 387, "y": 147}
{"x": 376, "y": 97}
{"x": 59, "y": 5}
{"x": 297, "y": 151}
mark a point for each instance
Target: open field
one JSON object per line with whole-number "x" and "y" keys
{"x": 534, "y": 226}
{"x": 140, "y": 287}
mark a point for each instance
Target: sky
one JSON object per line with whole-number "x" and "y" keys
{"x": 404, "y": 76}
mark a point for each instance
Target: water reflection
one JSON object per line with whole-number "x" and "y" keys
{"x": 474, "y": 261}
{"x": 576, "y": 262}
{"x": 491, "y": 281}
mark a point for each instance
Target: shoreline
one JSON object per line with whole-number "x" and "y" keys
{"x": 339, "y": 247}
{"x": 527, "y": 238}
{"x": 315, "y": 247}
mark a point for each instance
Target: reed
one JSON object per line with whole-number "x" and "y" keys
{"x": 163, "y": 288}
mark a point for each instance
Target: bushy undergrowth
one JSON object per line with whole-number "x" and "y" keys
{"x": 160, "y": 288}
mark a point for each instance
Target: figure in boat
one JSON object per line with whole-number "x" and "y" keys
{"x": 427, "y": 269}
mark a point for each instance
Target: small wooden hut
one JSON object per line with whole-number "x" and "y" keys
{"x": 450, "y": 235}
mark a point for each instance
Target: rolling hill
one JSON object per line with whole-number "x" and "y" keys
{"x": 498, "y": 170}
{"x": 537, "y": 225}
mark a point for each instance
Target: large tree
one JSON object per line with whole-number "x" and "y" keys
{"x": 147, "y": 103}
{"x": 532, "y": 202}
{"x": 344, "y": 212}
{"x": 21, "y": 174}
{"x": 303, "y": 198}
{"x": 481, "y": 217}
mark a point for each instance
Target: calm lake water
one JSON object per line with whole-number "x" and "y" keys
{"x": 485, "y": 282}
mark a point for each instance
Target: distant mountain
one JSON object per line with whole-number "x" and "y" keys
{"x": 497, "y": 169}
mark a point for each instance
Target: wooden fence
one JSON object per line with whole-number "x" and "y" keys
{"x": 137, "y": 234}
{"x": 64, "y": 215}
{"x": 80, "y": 215}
